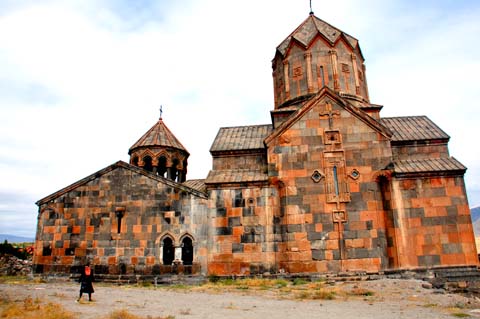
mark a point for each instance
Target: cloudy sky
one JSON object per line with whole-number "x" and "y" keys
{"x": 81, "y": 81}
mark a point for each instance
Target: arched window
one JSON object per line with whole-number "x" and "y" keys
{"x": 135, "y": 161}
{"x": 162, "y": 166}
{"x": 175, "y": 169}
{"x": 187, "y": 251}
{"x": 147, "y": 160}
{"x": 168, "y": 251}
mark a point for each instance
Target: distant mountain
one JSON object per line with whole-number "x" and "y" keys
{"x": 15, "y": 239}
{"x": 475, "y": 212}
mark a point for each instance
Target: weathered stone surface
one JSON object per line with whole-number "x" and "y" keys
{"x": 329, "y": 186}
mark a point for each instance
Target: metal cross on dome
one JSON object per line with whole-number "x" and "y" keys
{"x": 311, "y": 10}
{"x": 161, "y": 111}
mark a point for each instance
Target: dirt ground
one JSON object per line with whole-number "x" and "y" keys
{"x": 386, "y": 299}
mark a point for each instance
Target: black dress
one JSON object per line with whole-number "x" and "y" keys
{"x": 86, "y": 283}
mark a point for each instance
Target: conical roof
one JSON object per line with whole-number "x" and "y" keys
{"x": 309, "y": 29}
{"x": 158, "y": 136}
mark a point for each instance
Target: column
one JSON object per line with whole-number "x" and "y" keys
{"x": 355, "y": 74}
{"x": 333, "y": 58}
{"x": 286, "y": 78}
{"x": 308, "y": 60}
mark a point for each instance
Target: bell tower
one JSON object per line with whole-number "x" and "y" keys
{"x": 160, "y": 152}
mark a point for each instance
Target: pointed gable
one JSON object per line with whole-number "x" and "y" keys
{"x": 364, "y": 117}
{"x": 193, "y": 187}
{"x": 309, "y": 29}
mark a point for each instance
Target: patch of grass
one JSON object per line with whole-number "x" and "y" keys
{"x": 226, "y": 282}
{"x": 34, "y": 309}
{"x": 281, "y": 283}
{"x": 324, "y": 294}
{"x": 361, "y": 292}
{"x": 15, "y": 280}
{"x": 460, "y": 315}
{"x": 303, "y": 295}
{"x": 299, "y": 281}
{"x": 146, "y": 284}
{"x": 213, "y": 278}
{"x": 243, "y": 287}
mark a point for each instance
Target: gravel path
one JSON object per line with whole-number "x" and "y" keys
{"x": 391, "y": 299}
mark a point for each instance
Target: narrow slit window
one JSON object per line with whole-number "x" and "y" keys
{"x": 335, "y": 180}
{"x": 119, "y": 213}
{"x": 322, "y": 75}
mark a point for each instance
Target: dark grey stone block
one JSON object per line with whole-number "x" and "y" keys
{"x": 429, "y": 260}
{"x": 318, "y": 254}
{"x": 223, "y": 231}
{"x": 234, "y": 221}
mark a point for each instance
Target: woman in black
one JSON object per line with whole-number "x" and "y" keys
{"x": 86, "y": 285}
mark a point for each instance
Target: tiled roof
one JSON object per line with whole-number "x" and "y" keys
{"x": 198, "y": 184}
{"x": 235, "y": 176}
{"x": 309, "y": 29}
{"x": 241, "y": 138}
{"x": 158, "y": 135}
{"x": 429, "y": 165}
{"x": 413, "y": 128}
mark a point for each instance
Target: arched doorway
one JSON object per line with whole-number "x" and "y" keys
{"x": 187, "y": 251}
{"x": 168, "y": 251}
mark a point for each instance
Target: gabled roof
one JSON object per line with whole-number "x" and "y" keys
{"x": 309, "y": 29}
{"x": 325, "y": 91}
{"x": 158, "y": 135}
{"x": 434, "y": 166}
{"x": 413, "y": 128}
{"x": 198, "y": 184}
{"x": 120, "y": 164}
{"x": 240, "y": 138}
{"x": 234, "y": 176}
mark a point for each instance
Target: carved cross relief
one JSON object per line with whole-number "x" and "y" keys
{"x": 330, "y": 113}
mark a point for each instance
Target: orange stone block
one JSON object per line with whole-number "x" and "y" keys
{"x": 220, "y": 222}
{"x": 215, "y": 268}
{"x": 80, "y": 252}
{"x": 76, "y": 229}
{"x": 238, "y": 231}
{"x": 137, "y": 229}
{"x": 150, "y": 260}
{"x": 354, "y": 187}
{"x": 112, "y": 260}
{"x": 453, "y": 259}
{"x": 414, "y": 222}
{"x": 436, "y": 182}
{"x": 332, "y": 244}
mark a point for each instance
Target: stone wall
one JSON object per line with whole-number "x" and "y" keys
{"x": 242, "y": 232}
{"x": 331, "y": 214}
{"x": 432, "y": 223}
{"x": 118, "y": 221}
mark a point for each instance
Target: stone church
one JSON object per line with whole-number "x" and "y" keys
{"x": 328, "y": 186}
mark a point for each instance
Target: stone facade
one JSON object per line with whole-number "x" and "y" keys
{"x": 118, "y": 219}
{"x": 328, "y": 187}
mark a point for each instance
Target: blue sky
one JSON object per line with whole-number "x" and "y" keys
{"x": 81, "y": 81}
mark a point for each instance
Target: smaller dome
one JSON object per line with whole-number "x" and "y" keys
{"x": 160, "y": 152}
{"x": 158, "y": 136}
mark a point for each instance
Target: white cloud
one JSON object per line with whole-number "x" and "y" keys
{"x": 85, "y": 79}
